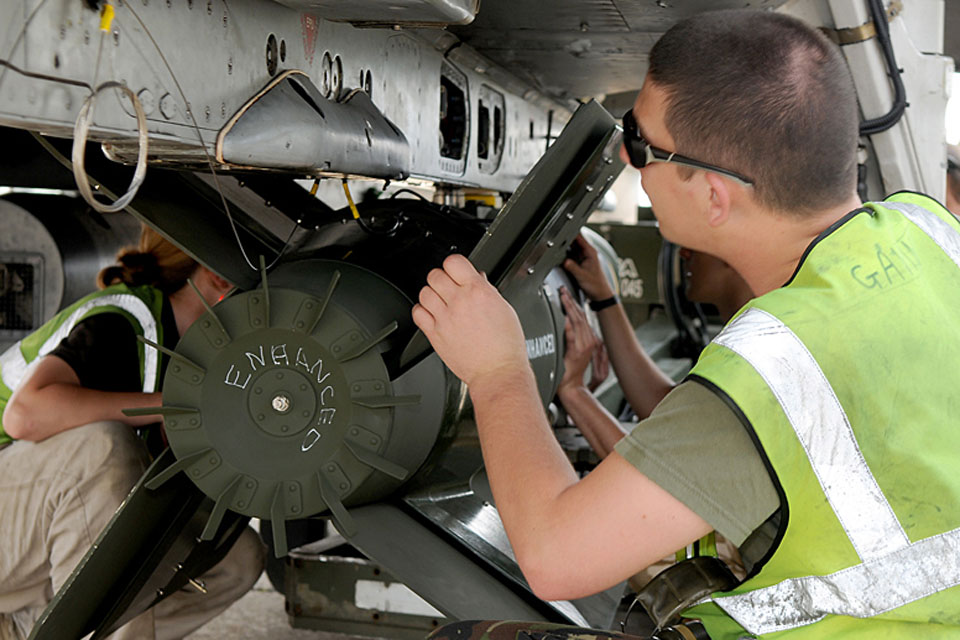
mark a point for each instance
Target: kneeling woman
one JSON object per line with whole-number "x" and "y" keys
{"x": 68, "y": 455}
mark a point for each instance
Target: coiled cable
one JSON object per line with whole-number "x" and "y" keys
{"x": 80, "y": 132}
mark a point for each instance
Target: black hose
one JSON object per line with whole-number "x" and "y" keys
{"x": 884, "y": 122}
{"x": 394, "y": 195}
{"x": 690, "y": 340}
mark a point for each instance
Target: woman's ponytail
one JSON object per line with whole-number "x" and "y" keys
{"x": 155, "y": 261}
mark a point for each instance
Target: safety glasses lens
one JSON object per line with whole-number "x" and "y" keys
{"x": 634, "y": 142}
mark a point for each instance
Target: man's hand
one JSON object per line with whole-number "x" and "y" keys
{"x": 589, "y": 271}
{"x": 472, "y": 328}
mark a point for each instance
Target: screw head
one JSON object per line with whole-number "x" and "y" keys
{"x": 280, "y": 403}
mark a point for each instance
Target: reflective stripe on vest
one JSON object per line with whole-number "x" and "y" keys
{"x": 808, "y": 401}
{"x": 13, "y": 365}
{"x": 946, "y": 237}
{"x": 861, "y": 591}
{"x": 822, "y": 427}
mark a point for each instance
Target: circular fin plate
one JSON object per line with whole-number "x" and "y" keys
{"x": 293, "y": 405}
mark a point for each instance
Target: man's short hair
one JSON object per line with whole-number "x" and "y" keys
{"x": 765, "y": 95}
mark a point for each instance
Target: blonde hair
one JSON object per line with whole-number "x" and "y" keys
{"x": 154, "y": 261}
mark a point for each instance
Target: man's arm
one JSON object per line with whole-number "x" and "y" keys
{"x": 643, "y": 384}
{"x": 571, "y": 538}
{"x": 50, "y": 400}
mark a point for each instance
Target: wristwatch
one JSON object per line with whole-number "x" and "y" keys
{"x": 600, "y": 305}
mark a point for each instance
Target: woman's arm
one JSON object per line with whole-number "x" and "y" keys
{"x": 643, "y": 384}
{"x": 50, "y": 400}
{"x": 601, "y": 430}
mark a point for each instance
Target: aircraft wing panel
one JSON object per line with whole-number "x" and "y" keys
{"x": 391, "y": 12}
{"x": 580, "y": 48}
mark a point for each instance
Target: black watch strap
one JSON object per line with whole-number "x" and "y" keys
{"x": 600, "y": 305}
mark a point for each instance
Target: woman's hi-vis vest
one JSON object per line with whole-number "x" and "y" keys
{"x": 849, "y": 377}
{"x": 142, "y": 306}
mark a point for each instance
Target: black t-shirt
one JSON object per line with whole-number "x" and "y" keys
{"x": 104, "y": 352}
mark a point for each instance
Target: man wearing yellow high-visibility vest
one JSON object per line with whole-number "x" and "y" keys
{"x": 829, "y": 398}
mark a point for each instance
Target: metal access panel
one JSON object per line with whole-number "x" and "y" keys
{"x": 341, "y": 594}
{"x": 537, "y": 225}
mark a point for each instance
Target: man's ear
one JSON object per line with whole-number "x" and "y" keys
{"x": 718, "y": 206}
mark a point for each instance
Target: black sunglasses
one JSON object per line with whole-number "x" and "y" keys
{"x": 643, "y": 153}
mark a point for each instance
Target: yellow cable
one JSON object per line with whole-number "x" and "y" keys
{"x": 353, "y": 207}
{"x": 106, "y": 17}
{"x": 313, "y": 189}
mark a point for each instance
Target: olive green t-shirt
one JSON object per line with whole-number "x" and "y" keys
{"x": 695, "y": 447}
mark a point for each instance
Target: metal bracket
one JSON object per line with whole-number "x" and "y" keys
{"x": 289, "y": 126}
{"x": 866, "y": 31}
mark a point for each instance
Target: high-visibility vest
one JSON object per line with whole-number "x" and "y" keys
{"x": 142, "y": 306}
{"x": 848, "y": 377}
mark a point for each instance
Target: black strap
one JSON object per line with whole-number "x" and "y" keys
{"x": 600, "y": 305}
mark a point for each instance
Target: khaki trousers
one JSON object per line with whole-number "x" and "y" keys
{"x": 55, "y": 498}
